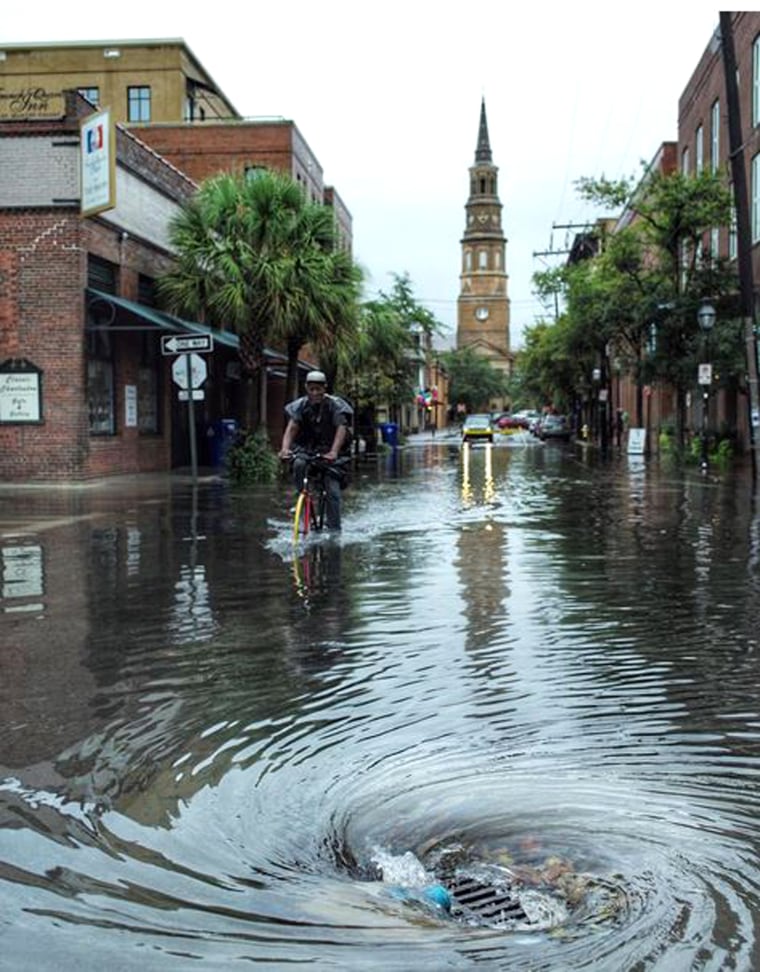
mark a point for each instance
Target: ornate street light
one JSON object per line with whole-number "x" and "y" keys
{"x": 706, "y": 319}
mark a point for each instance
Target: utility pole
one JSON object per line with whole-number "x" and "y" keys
{"x": 743, "y": 233}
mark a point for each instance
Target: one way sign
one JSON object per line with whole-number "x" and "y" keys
{"x": 172, "y": 344}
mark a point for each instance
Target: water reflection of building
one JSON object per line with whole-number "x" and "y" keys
{"x": 483, "y": 571}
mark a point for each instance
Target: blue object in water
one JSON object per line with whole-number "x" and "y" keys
{"x": 432, "y": 894}
{"x": 437, "y": 895}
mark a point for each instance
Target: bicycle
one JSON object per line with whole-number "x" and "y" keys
{"x": 311, "y": 505}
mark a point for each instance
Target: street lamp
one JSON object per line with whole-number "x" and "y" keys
{"x": 706, "y": 320}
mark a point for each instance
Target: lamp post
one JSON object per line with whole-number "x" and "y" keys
{"x": 596, "y": 377}
{"x": 706, "y": 320}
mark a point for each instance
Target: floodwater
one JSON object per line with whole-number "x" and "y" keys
{"x": 536, "y": 670}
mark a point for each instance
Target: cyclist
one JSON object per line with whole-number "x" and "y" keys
{"x": 318, "y": 423}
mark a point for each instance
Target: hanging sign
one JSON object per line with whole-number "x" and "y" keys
{"x": 97, "y": 154}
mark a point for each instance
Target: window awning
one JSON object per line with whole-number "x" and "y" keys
{"x": 136, "y": 316}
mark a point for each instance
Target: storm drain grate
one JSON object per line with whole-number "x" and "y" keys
{"x": 484, "y": 901}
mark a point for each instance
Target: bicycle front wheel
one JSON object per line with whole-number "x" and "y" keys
{"x": 303, "y": 516}
{"x": 319, "y": 510}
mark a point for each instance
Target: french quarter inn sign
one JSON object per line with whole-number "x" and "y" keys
{"x": 29, "y": 104}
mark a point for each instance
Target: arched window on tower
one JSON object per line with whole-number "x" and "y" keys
{"x": 468, "y": 260}
{"x": 483, "y": 260}
{"x": 483, "y": 185}
{"x": 497, "y": 260}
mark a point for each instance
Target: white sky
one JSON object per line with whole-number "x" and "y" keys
{"x": 388, "y": 97}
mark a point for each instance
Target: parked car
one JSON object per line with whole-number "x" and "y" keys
{"x": 477, "y": 427}
{"x": 509, "y": 423}
{"x": 555, "y": 427}
{"x": 526, "y": 416}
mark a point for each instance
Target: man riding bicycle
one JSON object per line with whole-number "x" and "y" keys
{"x": 318, "y": 424}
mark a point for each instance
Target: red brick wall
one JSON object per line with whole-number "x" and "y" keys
{"x": 43, "y": 298}
{"x": 43, "y": 271}
{"x": 202, "y": 151}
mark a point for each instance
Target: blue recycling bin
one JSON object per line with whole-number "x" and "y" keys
{"x": 389, "y": 433}
{"x": 221, "y": 437}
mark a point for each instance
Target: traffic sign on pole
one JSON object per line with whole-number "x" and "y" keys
{"x": 172, "y": 344}
{"x": 189, "y": 371}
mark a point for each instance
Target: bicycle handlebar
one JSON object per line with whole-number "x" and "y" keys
{"x": 313, "y": 458}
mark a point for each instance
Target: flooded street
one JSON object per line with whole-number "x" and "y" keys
{"x": 533, "y": 670}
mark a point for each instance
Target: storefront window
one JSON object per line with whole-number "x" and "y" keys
{"x": 148, "y": 387}
{"x": 100, "y": 396}
{"x": 100, "y": 370}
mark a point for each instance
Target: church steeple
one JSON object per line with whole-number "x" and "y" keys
{"x": 483, "y": 150}
{"x": 483, "y": 304}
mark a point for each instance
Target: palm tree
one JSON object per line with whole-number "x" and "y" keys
{"x": 254, "y": 255}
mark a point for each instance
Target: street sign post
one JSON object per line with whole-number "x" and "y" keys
{"x": 174, "y": 344}
{"x": 189, "y": 371}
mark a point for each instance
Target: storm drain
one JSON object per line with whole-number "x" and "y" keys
{"x": 489, "y": 904}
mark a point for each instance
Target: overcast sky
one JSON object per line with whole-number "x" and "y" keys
{"x": 388, "y": 97}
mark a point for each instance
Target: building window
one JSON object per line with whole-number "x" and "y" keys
{"x": 732, "y": 233}
{"x": 714, "y": 242}
{"x": 91, "y": 94}
{"x": 194, "y": 111}
{"x": 138, "y": 104}
{"x": 755, "y": 199}
{"x": 483, "y": 260}
{"x": 467, "y": 260}
{"x": 100, "y": 383}
{"x": 685, "y": 161}
{"x": 715, "y": 136}
{"x": 756, "y": 82}
{"x": 699, "y": 150}
{"x": 101, "y": 274}
{"x": 252, "y": 172}
{"x": 148, "y": 387}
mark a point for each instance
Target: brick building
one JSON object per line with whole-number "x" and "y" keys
{"x": 703, "y": 143}
{"x": 100, "y": 379}
{"x": 79, "y": 326}
{"x": 243, "y": 147}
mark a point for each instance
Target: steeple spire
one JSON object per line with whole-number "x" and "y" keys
{"x": 483, "y": 151}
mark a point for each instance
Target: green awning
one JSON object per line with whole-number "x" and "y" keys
{"x": 136, "y": 316}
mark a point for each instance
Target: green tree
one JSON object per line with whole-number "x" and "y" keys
{"x": 641, "y": 292}
{"x": 473, "y": 380}
{"x": 380, "y": 365}
{"x": 254, "y": 255}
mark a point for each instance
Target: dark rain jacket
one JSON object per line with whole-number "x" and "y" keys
{"x": 317, "y": 423}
